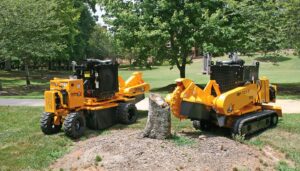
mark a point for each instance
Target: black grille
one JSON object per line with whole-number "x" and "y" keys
{"x": 100, "y": 78}
{"x": 232, "y": 75}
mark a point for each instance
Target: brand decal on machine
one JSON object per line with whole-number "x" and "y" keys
{"x": 243, "y": 92}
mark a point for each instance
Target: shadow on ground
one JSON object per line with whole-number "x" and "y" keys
{"x": 275, "y": 59}
{"x": 13, "y": 82}
{"x": 214, "y": 132}
{"x": 127, "y": 68}
{"x": 290, "y": 90}
{"x": 141, "y": 121}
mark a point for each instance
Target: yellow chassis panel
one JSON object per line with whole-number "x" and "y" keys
{"x": 238, "y": 101}
{"x": 128, "y": 90}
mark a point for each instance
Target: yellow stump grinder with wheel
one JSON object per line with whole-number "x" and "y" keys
{"x": 95, "y": 97}
{"x": 235, "y": 98}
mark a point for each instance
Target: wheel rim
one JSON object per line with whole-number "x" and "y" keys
{"x": 131, "y": 114}
{"x": 77, "y": 125}
{"x": 196, "y": 124}
{"x": 51, "y": 123}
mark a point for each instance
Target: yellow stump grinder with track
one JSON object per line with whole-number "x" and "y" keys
{"x": 95, "y": 96}
{"x": 235, "y": 98}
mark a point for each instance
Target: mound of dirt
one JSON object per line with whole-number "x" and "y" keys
{"x": 125, "y": 150}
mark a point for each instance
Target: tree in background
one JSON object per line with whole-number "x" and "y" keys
{"x": 69, "y": 16}
{"x": 85, "y": 27}
{"x": 101, "y": 44}
{"x": 54, "y": 31}
{"x": 166, "y": 29}
{"x": 31, "y": 30}
{"x": 257, "y": 26}
{"x": 291, "y": 23}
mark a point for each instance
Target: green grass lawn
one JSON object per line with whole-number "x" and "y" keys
{"x": 23, "y": 145}
{"x": 285, "y": 138}
{"x": 283, "y": 71}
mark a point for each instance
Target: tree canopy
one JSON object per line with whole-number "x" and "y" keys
{"x": 168, "y": 30}
{"x": 46, "y": 30}
{"x": 49, "y": 31}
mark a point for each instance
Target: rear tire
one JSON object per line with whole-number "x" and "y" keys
{"x": 127, "y": 113}
{"x": 74, "y": 125}
{"x": 202, "y": 125}
{"x": 205, "y": 125}
{"x": 196, "y": 124}
{"x": 47, "y": 124}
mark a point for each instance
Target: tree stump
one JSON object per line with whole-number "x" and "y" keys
{"x": 158, "y": 125}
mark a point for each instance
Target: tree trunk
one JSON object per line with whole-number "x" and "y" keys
{"x": 182, "y": 72}
{"x": 8, "y": 64}
{"x": 59, "y": 66}
{"x": 130, "y": 61}
{"x": 26, "y": 63}
{"x": 1, "y": 88}
{"x": 182, "y": 67}
{"x": 49, "y": 65}
{"x": 158, "y": 125}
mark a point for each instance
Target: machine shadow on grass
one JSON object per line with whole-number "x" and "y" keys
{"x": 289, "y": 90}
{"x": 215, "y": 132}
{"x": 140, "y": 123}
{"x": 89, "y": 133}
{"x": 192, "y": 134}
{"x": 222, "y": 132}
{"x": 273, "y": 58}
{"x": 127, "y": 68}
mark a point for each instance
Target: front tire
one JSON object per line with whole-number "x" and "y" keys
{"x": 47, "y": 124}
{"x": 74, "y": 125}
{"x": 127, "y": 113}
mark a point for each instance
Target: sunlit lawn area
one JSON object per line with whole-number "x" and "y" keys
{"x": 283, "y": 71}
{"x": 23, "y": 145}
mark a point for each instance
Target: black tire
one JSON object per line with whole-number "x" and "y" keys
{"x": 274, "y": 120}
{"x": 205, "y": 125}
{"x": 202, "y": 125}
{"x": 196, "y": 124}
{"x": 74, "y": 125}
{"x": 47, "y": 124}
{"x": 127, "y": 113}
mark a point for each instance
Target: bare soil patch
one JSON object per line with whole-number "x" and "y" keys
{"x": 125, "y": 150}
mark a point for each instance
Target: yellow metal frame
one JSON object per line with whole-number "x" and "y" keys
{"x": 238, "y": 101}
{"x": 128, "y": 90}
{"x": 187, "y": 90}
{"x": 133, "y": 86}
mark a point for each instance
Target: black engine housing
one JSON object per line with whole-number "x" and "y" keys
{"x": 232, "y": 74}
{"x": 100, "y": 78}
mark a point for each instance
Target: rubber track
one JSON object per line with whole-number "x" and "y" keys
{"x": 260, "y": 115}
